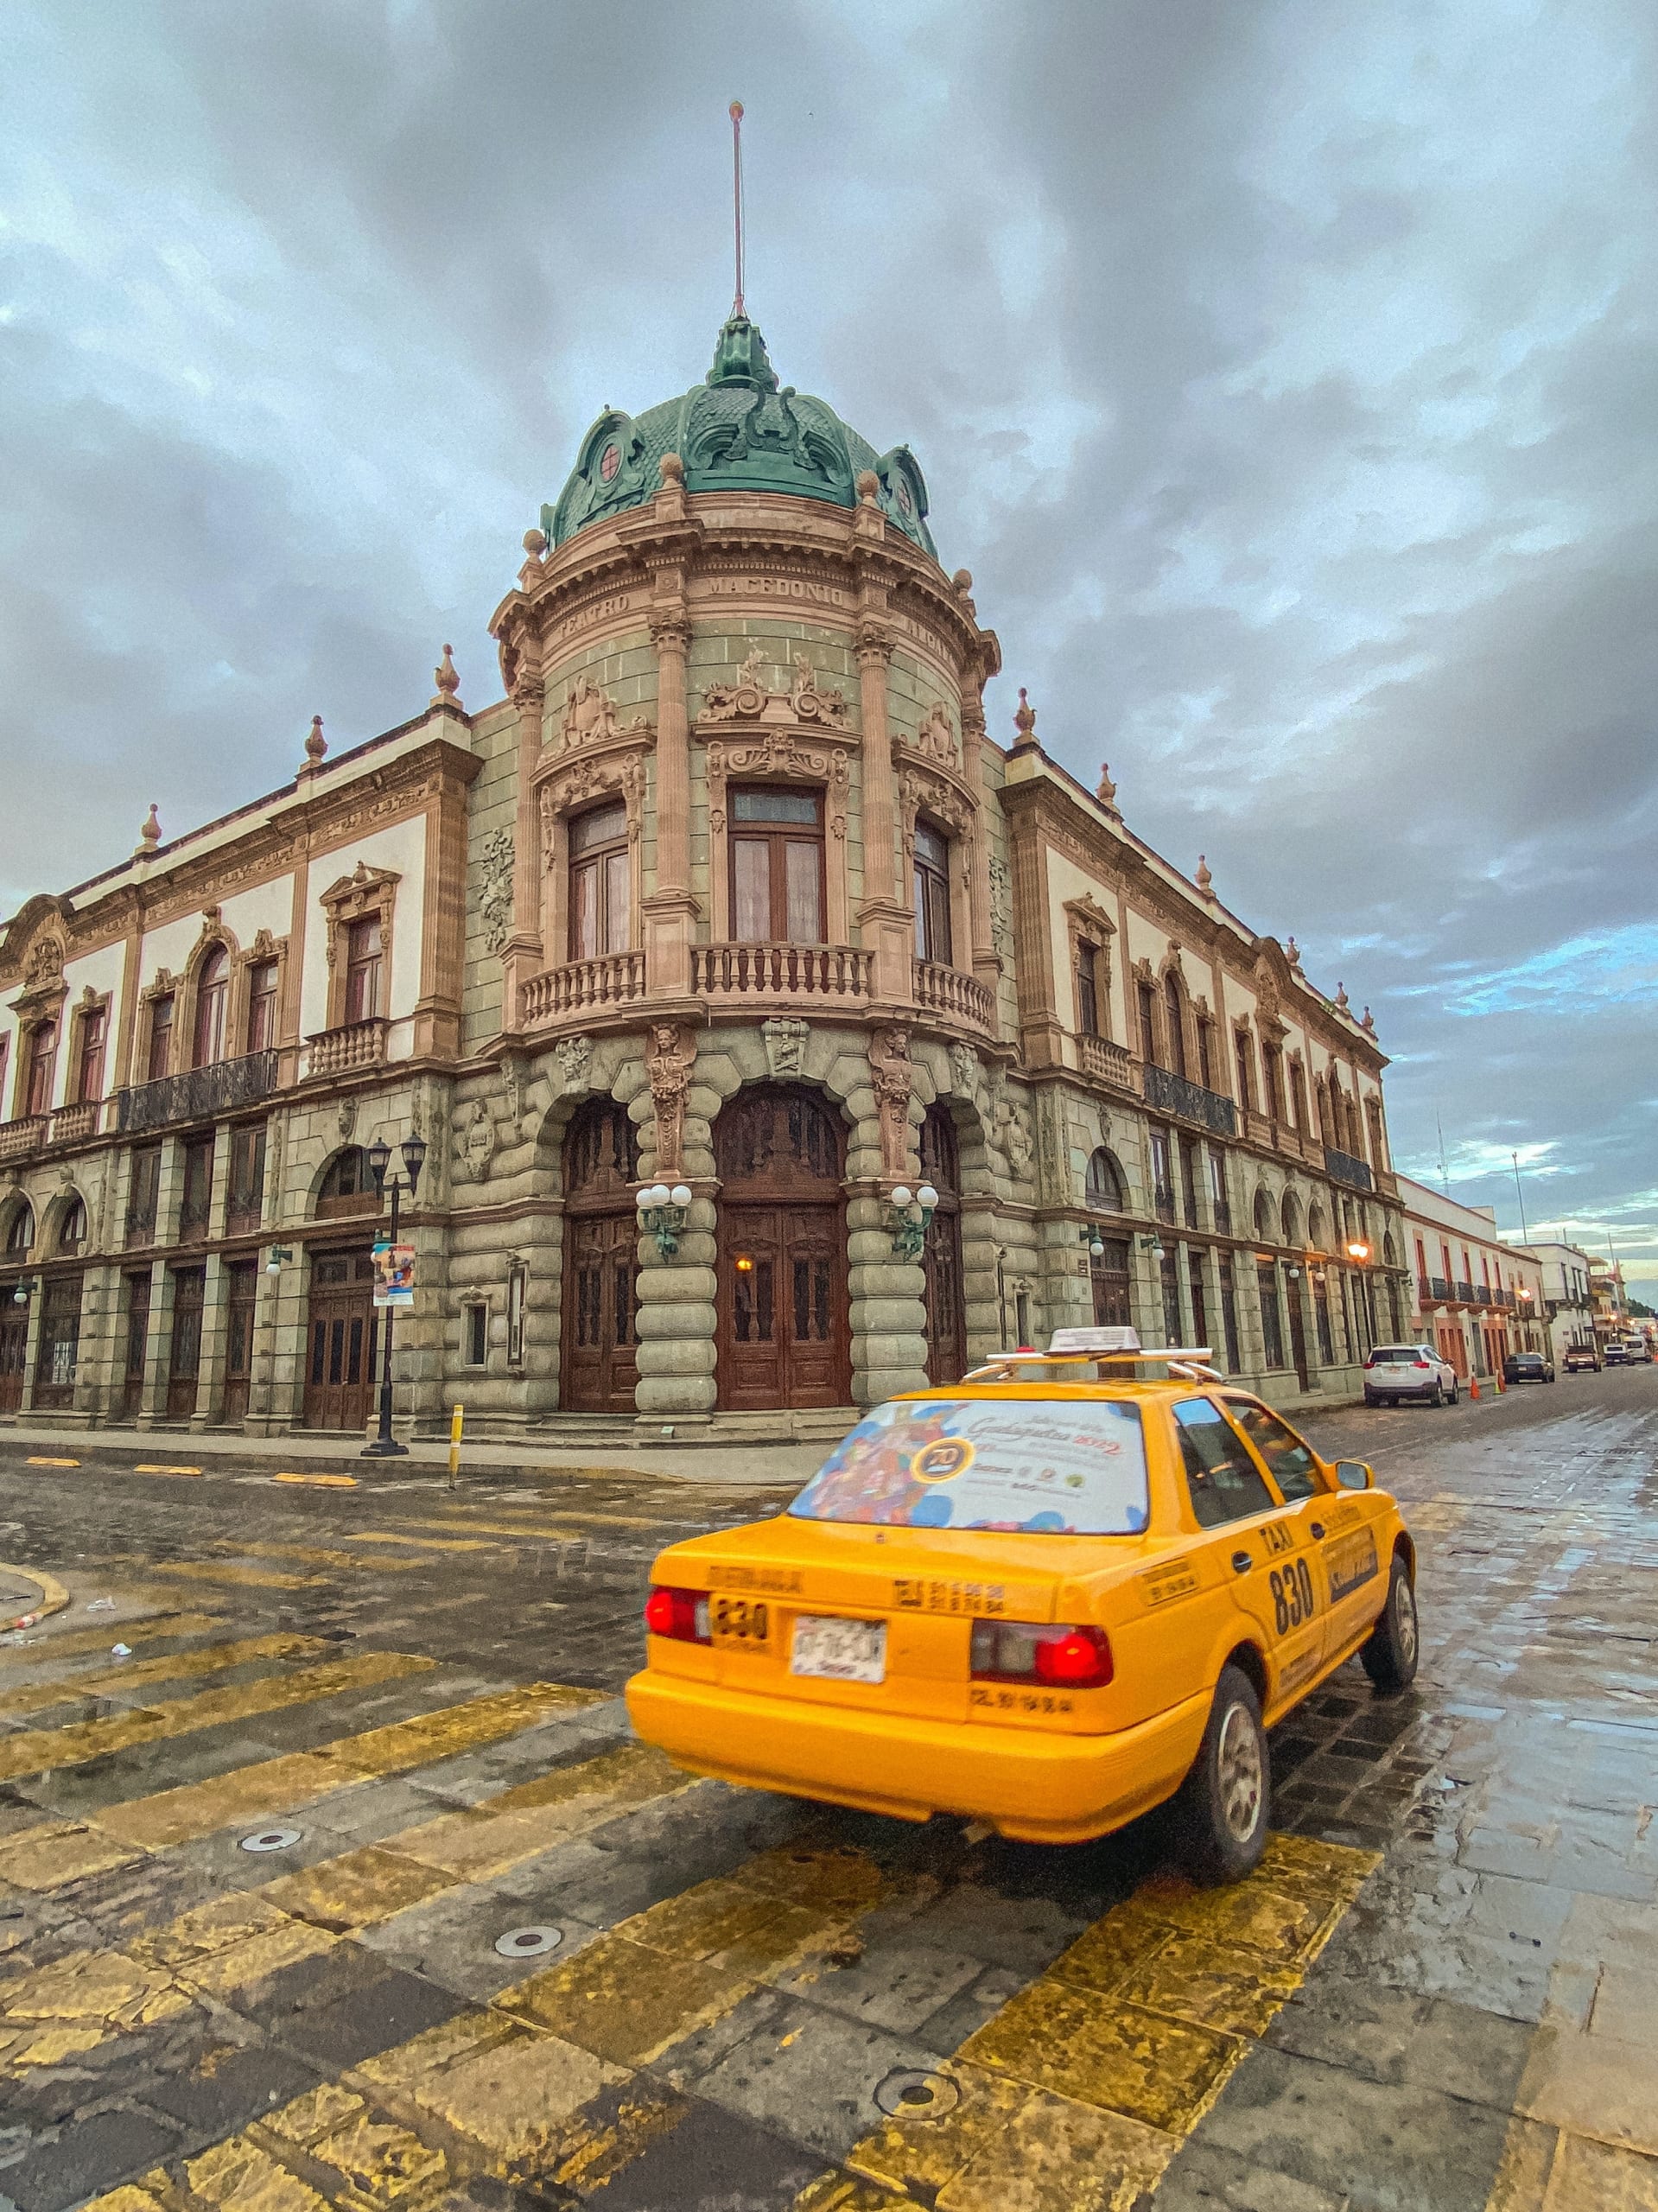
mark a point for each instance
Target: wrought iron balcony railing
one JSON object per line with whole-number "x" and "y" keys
{"x": 1342, "y": 1168}
{"x": 1173, "y": 1094}
{"x": 199, "y": 1095}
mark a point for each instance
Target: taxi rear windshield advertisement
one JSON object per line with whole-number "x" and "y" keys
{"x": 1061, "y": 1470}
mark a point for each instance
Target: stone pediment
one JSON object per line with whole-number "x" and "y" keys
{"x": 749, "y": 697}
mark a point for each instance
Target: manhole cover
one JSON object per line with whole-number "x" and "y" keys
{"x": 908, "y": 2095}
{"x": 529, "y": 1942}
{"x": 272, "y": 1839}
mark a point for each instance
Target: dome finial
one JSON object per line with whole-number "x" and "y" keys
{"x": 315, "y": 746}
{"x": 1025, "y": 721}
{"x": 149, "y": 833}
{"x": 447, "y": 681}
{"x": 737, "y": 309}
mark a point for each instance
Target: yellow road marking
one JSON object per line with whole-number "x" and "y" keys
{"x": 179, "y": 1666}
{"x": 318, "y": 1555}
{"x": 39, "y": 1649}
{"x": 423, "y": 1543}
{"x": 33, "y": 1751}
{"x": 245, "y": 1577}
{"x": 1105, "y": 2062}
{"x": 155, "y": 1467}
{"x": 38, "y": 1462}
{"x": 319, "y": 1481}
{"x": 502, "y": 2088}
{"x": 523, "y": 1532}
{"x": 535, "y": 1528}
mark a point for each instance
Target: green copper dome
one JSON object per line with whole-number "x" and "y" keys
{"x": 736, "y": 431}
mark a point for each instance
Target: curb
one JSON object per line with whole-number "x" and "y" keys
{"x": 54, "y": 1596}
{"x": 332, "y": 1468}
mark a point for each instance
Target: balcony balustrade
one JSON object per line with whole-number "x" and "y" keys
{"x": 1482, "y": 1291}
{"x": 70, "y": 1124}
{"x": 957, "y": 996}
{"x": 837, "y": 974}
{"x": 1342, "y": 1168}
{"x": 18, "y": 1139}
{"x": 1110, "y": 1063}
{"x": 199, "y": 1094}
{"x": 1440, "y": 1288}
{"x": 1173, "y": 1094}
{"x": 584, "y": 987}
{"x": 341, "y": 1051}
{"x": 1465, "y": 1293}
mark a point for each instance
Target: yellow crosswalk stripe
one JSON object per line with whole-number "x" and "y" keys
{"x": 1105, "y": 2064}
{"x": 33, "y": 1750}
{"x": 320, "y": 1555}
{"x": 241, "y": 1578}
{"x": 134, "y": 1674}
{"x": 424, "y": 1543}
{"x": 529, "y": 1528}
{"x": 523, "y": 1532}
{"x": 499, "y": 2091}
{"x": 319, "y": 1482}
{"x": 215, "y": 1950}
{"x": 41, "y": 1650}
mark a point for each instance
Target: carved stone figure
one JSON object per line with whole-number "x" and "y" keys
{"x": 963, "y": 1069}
{"x": 892, "y": 1074}
{"x": 669, "y": 1059}
{"x": 785, "y": 1046}
{"x": 495, "y": 899}
{"x": 590, "y": 715}
{"x": 812, "y": 701}
{"x": 574, "y": 1061}
{"x": 345, "y": 1120}
{"x": 936, "y": 738}
{"x": 475, "y": 1139}
{"x": 1001, "y": 907}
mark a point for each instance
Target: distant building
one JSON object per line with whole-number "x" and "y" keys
{"x": 1477, "y": 1297}
{"x": 1568, "y": 1302}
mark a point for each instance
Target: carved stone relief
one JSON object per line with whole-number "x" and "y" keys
{"x": 893, "y": 1076}
{"x": 785, "y": 1046}
{"x": 1001, "y": 907}
{"x": 779, "y": 753}
{"x": 750, "y": 696}
{"x": 474, "y": 1140}
{"x": 669, "y": 1058}
{"x": 495, "y": 898}
{"x": 964, "y": 1069}
{"x": 574, "y": 1056}
{"x": 936, "y": 737}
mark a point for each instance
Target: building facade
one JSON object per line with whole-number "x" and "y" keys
{"x": 1568, "y": 1303}
{"x": 732, "y": 897}
{"x": 1477, "y": 1297}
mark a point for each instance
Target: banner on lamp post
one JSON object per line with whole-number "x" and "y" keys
{"x": 394, "y": 1274}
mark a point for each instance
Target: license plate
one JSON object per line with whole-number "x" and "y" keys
{"x": 844, "y": 1652}
{"x": 741, "y": 1624}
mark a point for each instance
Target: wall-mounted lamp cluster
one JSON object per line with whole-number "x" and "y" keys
{"x": 274, "y": 1257}
{"x": 20, "y": 1296}
{"x": 662, "y": 1214}
{"x": 909, "y": 1216}
{"x": 1094, "y": 1241}
{"x": 1154, "y": 1244}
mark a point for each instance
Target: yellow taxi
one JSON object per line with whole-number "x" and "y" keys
{"x": 1038, "y": 1599}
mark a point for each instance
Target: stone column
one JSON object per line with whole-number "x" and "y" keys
{"x": 210, "y": 1367}
{"x": 987, "y": 963}
{"x": 523, "y": 954}
{"x": 670, "y": 909}
{"x": 152, "y": 1401}
{"x": 888, "y": 1311}
{"x": 885, "y": 917}
{"x": 677, "y": 1292}
{"x": 97, "y": 1359}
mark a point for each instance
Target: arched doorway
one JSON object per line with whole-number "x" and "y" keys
{"x": 783, "y": 1331}
{"x": 941, "y": 1255}
{"x": 599, "y": 1370}
{"x": 342, "y": 1327}
{"x": 1105, "y": 1192}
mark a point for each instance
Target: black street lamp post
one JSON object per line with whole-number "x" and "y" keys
{"x": 385, "y": 1446}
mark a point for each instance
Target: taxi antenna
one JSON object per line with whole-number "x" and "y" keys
{"x": 737, "y": 307}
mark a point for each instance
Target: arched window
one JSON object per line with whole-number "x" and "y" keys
{"x": 1265, "y": 1226}
{"x": 1389, "y": 1250}
{"x": 212, "y": 997}
{"x": 601, "y": 885}
{"x": 1290, "y": 1214}
{"x": 348, "y": 1188}
{"x": 1104, "y": 1191}
{"x": 932, "y": 933}
{"x": 20, "y": 1233}
{"x": 71, "y": 1228}
{"x": 1317, "y": 1229}
{"x": 602, "y": 1235}
{"x": 1176, "y": 1016}
{"x": 42, "y": 1066}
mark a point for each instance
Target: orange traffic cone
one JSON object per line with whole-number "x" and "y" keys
{"x": 1473, "y": 1388}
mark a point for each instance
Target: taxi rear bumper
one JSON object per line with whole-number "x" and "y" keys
{"x": 1035, "y": 1785}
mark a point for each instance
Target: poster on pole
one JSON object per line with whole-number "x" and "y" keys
{"x": 394, "y": 1274}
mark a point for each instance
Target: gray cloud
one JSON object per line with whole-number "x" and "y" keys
{"x": 1283, "y": 373}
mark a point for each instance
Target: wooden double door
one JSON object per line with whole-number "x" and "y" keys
{"x": 14, "y": 1351}
{"x": 600, "y": 1369}
{"x": 342, "y": 1340}
{"x": 943, "y": 1294}
{"x": 784, "y": 1328}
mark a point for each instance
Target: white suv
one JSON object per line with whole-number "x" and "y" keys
{"x": 1396, "y": 1371}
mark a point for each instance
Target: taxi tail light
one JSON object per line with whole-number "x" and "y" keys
{"x": 682, "y": 1614}
{"x": 1030, "y": 1651}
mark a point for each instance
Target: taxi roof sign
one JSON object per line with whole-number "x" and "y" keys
{"x": 1093, "y": 1340}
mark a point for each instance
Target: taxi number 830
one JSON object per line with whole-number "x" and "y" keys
{"x": 1292, "y": 1601}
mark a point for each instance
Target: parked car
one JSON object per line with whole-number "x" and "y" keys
{"x": 1047, "y": 1604}
{"x": 1639, "y": 1350}
{"x": 1395, "y": 1372}
{"x": 1528, "y": 1367}
{"x": 1616, "y": 1353}
{"x": 1582, "y": 1359}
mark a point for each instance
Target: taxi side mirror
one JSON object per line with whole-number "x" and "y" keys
{"x": 1353, "y": 1474}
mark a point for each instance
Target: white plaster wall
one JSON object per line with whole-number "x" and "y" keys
{"x": 266, "y": 906}
{"x": 1067, "y": 881}
{"x": 400, "y": 849}
{"x": 169, "y": 947}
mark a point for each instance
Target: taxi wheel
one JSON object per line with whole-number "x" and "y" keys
{"x": 1389, "y": 1654}
{"x": 1222, "y": 1807}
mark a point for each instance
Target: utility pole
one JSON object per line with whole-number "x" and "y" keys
{"x": 1521, "y": 1195}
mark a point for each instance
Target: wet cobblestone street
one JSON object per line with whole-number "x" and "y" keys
{"x": 496, "y": 1955}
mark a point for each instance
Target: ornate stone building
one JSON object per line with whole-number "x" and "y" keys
{"x": 731, "y": 894}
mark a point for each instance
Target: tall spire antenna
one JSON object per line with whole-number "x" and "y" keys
{"x": 737, "y": 196}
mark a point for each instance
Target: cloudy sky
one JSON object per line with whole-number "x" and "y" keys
{"x": 1284, "y": 373}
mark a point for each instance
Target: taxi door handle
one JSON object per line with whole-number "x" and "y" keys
{"x": 1318, "y": 1529}
{"x": 1243, "y": 1561}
